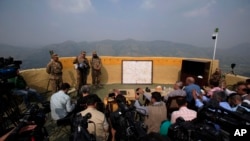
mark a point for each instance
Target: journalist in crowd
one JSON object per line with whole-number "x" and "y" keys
{"x": 82, "y": 100}
{"x": 22, "y": 89}
{"x": 117, "y": 120}
{"x": 219, "y": 98}
{"x": 184, "y": 112}
{"x": 60, "y": 103}
{"x": 156, "y": 112}
{"x": 237, "y": 104}
{"x": 98, "y": 124}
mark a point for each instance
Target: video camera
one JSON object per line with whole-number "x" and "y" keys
{"x": 8, "y": 67}
{"x": 79, "y": 131}
{"x": 212, "y": 123}
{"x": 34, "y": 115}
{"x": 134, "y": 129}
{"x": 194, "y": 130}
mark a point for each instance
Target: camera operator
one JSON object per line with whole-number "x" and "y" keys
{"x": 235, "y": 101}
{"x": 22, "y": 89}
{"x": 83, "y": 97}
{"x": 241, "y": 89}
{"x": 98, "y": 124}
{"x": 156, "y": 113}
{"x": 125, "y": 127}
{"x": 144, "y": 99}
{"x": 217, "y": 99}
{"x": 117, "y": 120}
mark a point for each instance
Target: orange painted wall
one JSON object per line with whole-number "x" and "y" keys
{"x": 165, "y": 69}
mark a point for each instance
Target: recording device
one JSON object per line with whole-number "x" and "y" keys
{"x": 134, "y": 129}
{"x": 34, "y": 115}
{"x": 194, "y": 130}
{"x": 232, "y": 67}
{"x": 214, "y": 36}
{"x": 147, "y": 90}
{"x": 111, "y": 95}
{"x": 79, "y": 131}
{"x": 212, "y": 123}
{"x": 8, "y": 67}
{"x": 83, "y": 66}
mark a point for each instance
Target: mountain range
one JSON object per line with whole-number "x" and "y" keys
{"x": 38, "y": 57}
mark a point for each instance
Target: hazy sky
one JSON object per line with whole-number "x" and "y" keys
{"x": 42, "y": 22}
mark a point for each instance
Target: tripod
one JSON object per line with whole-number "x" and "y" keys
{"x": 232, "y": 69}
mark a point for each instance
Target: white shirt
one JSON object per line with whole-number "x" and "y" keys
{"x": 60, "y": 105}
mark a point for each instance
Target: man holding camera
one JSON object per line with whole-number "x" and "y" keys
{"x": 156, "y": 113}
{"x": 82, "y": 70}
{"x": 98, "y": 124}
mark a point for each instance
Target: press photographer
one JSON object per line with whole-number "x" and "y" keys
{"x": 155, "y": 112}
{"x": 123, "y": 122}
{"x": 98, "y": 125}
{"x": 213, "y": 122}
{"x": 80, "y": 126}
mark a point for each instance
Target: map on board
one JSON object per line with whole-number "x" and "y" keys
{"x": 137, "y": 72}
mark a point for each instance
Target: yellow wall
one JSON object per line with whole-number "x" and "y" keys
{"x": 166, "y": 70}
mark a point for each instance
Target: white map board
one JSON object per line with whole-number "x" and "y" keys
{"x": 137, "y": 72}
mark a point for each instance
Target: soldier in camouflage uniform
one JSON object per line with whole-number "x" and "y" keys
{"x": 96, "y": 65}
{"x": 54, "y": 69}
{"x": 82, "y": 70}
{"x": 217, "y": 75}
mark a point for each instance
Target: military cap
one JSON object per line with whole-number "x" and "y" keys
{"x": 83, "y": 52}
{"x": 54, "y": 55}
{"x": 94, "y": 52}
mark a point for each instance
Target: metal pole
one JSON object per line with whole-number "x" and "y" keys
{"x": 214, "y": 36}
{"x": 215, "y": 44}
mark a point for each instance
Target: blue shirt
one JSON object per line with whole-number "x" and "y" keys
{"x": 189, "y": 90}
{"x": 236, "y": 107}
{"x": 224, "y": 105}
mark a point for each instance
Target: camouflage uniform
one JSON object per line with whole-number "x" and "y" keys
{"x": 96, "y": 65}
{"x": 54, "y": 68}
{"x": 82, "y": 71}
